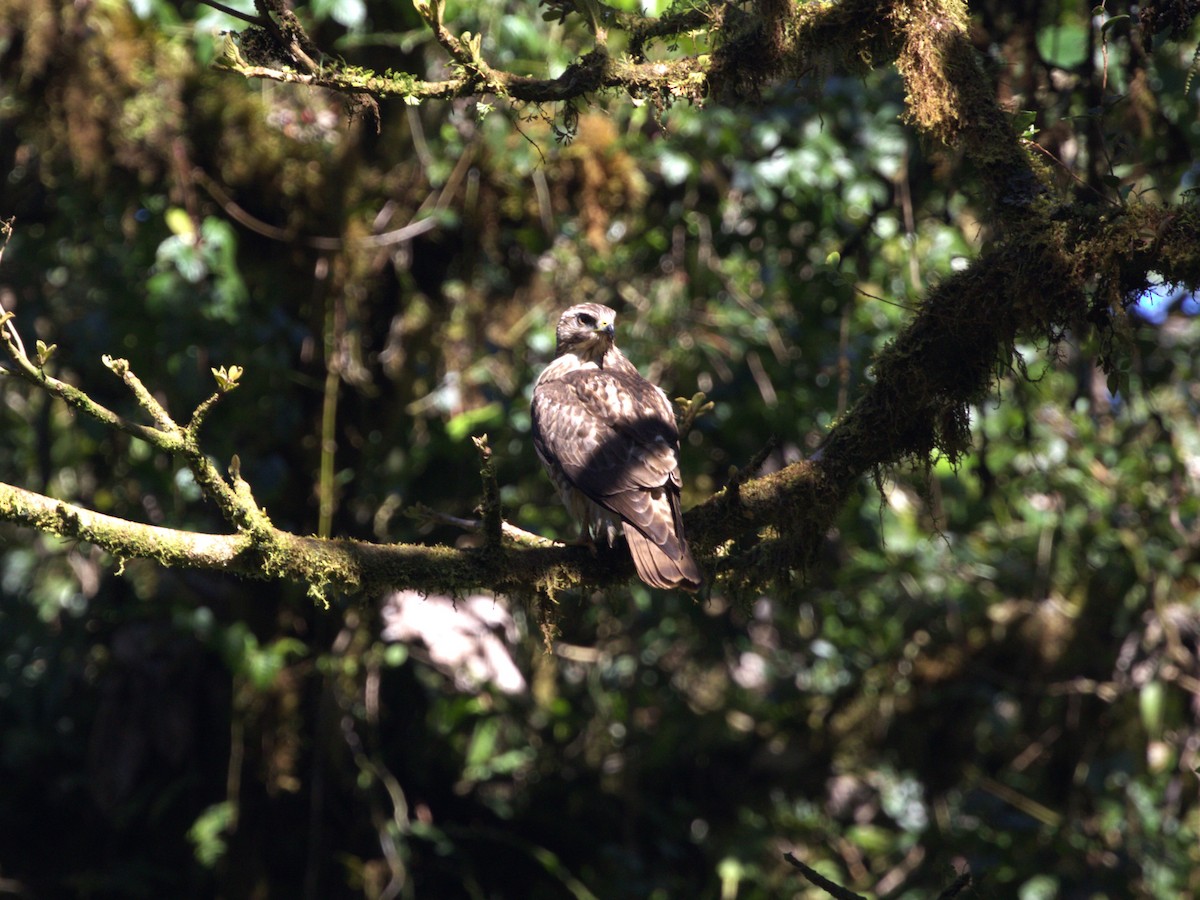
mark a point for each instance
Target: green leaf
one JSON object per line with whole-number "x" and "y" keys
{"x": 872, "y": 838}
{"x": 44, "y": 352}
{"x": 1115, "y": 20}
{"x": 180, "y": 222}
{"x": 207, "y": 834}
{"x": 227, "y": 379}
{"x": 1025, "y": 122}
{"x": 1063, "y": 46}
{"x": 1151, "y": 703}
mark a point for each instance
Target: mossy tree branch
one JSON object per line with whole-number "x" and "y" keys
{"x": 165, "y": 435}
{"x": 849, "y": 34}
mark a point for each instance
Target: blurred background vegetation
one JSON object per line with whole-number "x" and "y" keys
{"x": 993, "y": 666}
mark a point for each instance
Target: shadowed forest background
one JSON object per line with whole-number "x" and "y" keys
{"x": 989, "y": 665}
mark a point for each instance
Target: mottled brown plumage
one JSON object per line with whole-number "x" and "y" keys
{"x": 607, "y": 437}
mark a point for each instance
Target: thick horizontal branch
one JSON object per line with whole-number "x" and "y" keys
{"x": 347, "y": 566}
{"x": 122, "y": 538}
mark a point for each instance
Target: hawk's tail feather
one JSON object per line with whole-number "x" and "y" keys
{"x": 658, "y": 569}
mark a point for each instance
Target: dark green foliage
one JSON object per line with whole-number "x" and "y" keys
{"x": 993, "y": 662}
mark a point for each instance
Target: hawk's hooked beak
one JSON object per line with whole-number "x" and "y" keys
{"x": 605, "y": 328}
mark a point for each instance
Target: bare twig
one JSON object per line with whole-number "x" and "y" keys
{"x": 290, "y": 35}
{"x": 7, "y": 329}
{"x": 238, "y": 508}
{"x": 162, "y": 419}
{"x": 490, "y": 508}
{"x": 236, "y": 14}
{"x": 514, "y": 534}
{"x": 77, "y": 399}
{"x": 240, "y": 215}
{"x": 960, "y": 884}
{"x": 818, "y": 880}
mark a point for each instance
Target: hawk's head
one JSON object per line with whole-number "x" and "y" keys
{"x": 586, "y": 330}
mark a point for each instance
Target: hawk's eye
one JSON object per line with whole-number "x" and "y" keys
{"x": 588, "y": 320}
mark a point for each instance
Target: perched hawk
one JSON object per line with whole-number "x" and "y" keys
{"x": 607, "y": 437}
